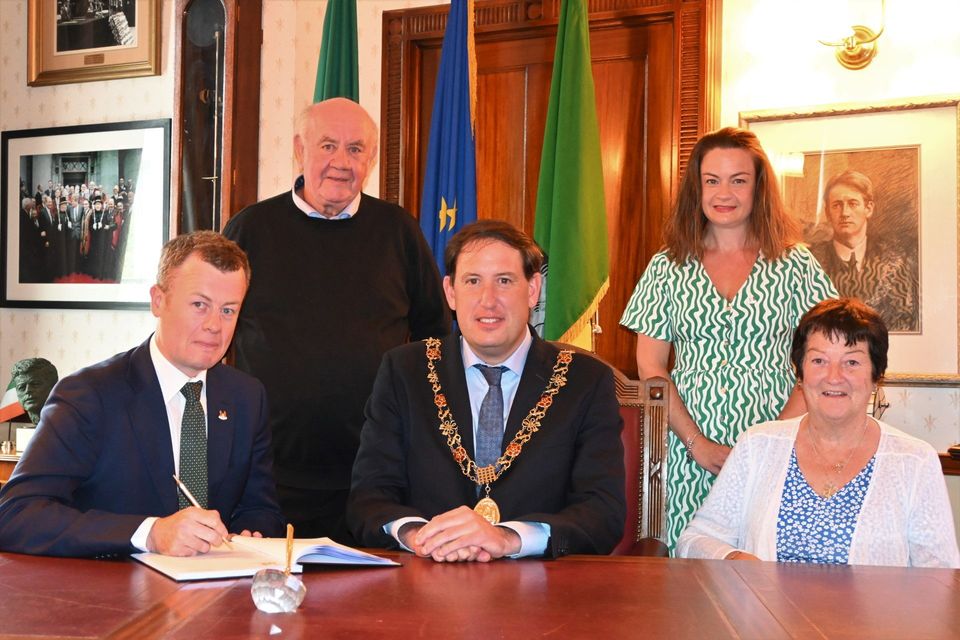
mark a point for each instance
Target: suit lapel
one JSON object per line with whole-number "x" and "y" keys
{"x": 220, "y": 430}
{"x": 536, "y": 375}
{"x": 147, "y": 415}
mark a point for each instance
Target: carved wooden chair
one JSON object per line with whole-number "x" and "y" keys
{"x": 644, "y": 409}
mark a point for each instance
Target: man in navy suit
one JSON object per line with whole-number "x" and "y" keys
{"x": 550, "y": 479}
{"x": 97, "y": 478}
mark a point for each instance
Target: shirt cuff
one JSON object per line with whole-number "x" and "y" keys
{"x": 533, "y": 537}
{"x": 139, "y": 539}
{"x": 392, "y": 529}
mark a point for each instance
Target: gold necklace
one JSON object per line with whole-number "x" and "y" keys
{"x": 485, "y": 476}
{"x": 830, "y": 489}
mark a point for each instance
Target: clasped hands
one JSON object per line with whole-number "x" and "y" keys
{"x": 190, "y": 532}
{"x": 459, "y": 535}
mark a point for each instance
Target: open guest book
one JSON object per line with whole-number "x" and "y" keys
{"x": 249, "y": 555}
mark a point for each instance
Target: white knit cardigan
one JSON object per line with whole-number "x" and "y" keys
{"x": 905, "y": 519}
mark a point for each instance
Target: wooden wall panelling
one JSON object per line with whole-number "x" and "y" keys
{"x": 651, "y": 73}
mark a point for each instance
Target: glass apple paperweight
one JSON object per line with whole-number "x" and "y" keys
{"x": 276, "y": 591}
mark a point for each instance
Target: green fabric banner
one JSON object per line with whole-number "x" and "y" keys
{"x": 571, "y": 222}
{"x": 338, "y": 71}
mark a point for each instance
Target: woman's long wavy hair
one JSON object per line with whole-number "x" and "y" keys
{"x": 770, "y": 225}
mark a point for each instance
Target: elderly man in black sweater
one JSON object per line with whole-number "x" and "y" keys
{"x": 339, "y": 278}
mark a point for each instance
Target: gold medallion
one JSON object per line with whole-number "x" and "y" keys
{"x": 488, "y": 510}
{"x": 485, "y": 476}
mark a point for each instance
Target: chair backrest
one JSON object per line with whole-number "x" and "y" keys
{"x": 644, "y": 409}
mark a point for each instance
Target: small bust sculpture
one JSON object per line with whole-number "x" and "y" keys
{"x": 34, "y": 378}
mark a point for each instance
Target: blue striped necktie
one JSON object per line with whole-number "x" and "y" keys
{"x": 490, "y": 423}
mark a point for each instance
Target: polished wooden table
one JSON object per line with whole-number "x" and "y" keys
{"x": 575, "y": 597}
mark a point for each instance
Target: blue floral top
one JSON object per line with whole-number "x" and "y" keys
{"x": 811, "y": 528}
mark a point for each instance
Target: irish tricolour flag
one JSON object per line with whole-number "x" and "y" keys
{"x": 10, "y": 407}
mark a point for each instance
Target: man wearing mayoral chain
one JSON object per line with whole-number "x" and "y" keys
{"x": 98, "y": 478}
{"x": 490, "y": 442}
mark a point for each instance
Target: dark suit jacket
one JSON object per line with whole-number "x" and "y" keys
{"x": 569, "y": 475}
{"x": 102, "y": 461}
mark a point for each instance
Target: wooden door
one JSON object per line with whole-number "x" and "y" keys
{"x": 649, "y": 66}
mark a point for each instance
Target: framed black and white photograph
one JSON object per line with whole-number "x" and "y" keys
{"x": 874, "y": 187}
{"x": 86, "y": 40}
{"x": 85, "y": 212}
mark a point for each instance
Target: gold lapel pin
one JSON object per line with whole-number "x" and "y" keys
{"x": 223, "y": 414}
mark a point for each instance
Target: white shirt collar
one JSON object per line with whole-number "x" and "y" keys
{"x": 171, "y": 379}
{"x": 843, "y": 251}
{"x": 304, "y": 206}
{"x": 514, "y": 361}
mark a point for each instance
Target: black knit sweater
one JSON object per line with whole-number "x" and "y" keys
{"x": 327, "y": 299}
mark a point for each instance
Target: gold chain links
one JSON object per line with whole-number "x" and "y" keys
{"x": 530, "y": 425}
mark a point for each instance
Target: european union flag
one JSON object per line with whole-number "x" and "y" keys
{"x": 450, "y": 182}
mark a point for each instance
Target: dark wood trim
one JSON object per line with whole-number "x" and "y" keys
{"x": 240, "y": 156}
{"x": 951, "y": 466}
{"x": 697, "y": 49}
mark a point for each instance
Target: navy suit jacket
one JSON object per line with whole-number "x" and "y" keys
{"x": 569, "y": 475}
{"x": 102, "y": 461}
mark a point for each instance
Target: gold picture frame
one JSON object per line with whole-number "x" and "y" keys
{"x": 90, "y": 40}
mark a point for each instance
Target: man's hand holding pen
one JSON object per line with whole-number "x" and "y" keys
{"x": 187, "y": 532}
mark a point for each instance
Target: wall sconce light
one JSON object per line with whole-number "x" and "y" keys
{"x": 860, "y": 47}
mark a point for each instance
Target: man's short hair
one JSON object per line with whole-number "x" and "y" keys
{"x": 853, "y": 179}
{"x": 211, "y": 247}
{"x": 490, "y": 231}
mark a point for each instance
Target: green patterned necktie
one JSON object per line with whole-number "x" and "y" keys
{"x": 193, "y": 446}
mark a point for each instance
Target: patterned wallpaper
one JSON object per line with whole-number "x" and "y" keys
{"x": 72, "y": 339}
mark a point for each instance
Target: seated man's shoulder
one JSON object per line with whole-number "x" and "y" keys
{"x": 104, "y": 372}
{"x": 583, "y": 363}
{"x": 410, "y": 353}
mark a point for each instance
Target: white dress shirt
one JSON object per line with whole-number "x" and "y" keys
{"x": 171, "y": 381}
{"x": 304, "y": 206}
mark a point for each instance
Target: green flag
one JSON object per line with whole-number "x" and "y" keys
{"x": 338, "y": 72}
{"x": 571, "y": 221}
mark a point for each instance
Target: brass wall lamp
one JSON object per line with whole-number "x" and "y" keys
{"x": 860, "y": 47}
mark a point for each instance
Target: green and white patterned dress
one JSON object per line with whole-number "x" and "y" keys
{"x": 732, "y": 358}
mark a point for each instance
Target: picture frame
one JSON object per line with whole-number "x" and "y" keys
{"x": 89, "y": 40}
{"x": 881, "y": 178}
{"x": 94, "y": 239}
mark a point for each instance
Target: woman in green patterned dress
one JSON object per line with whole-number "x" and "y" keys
{"x": 726, "y": 294}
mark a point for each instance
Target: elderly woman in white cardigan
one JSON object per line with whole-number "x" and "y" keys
{"x": 834, "y": 485}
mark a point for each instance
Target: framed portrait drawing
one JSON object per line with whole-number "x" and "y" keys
{"x": 86, "y": 40}
{"x": 874, "y": 188}
{"x": 84, "y": 212}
